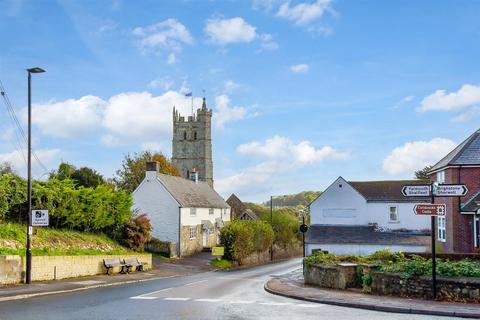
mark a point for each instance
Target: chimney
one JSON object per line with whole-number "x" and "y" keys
{"x": 193, "y": 175}
{"x": 152, "y": 170}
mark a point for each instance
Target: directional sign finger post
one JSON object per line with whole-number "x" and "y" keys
{"x": 430, "y": 209}
{"x": 416, "y": 191}
{"x": 450, "y": 190}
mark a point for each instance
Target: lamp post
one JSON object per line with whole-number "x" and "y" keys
{"x": 29, "y": 181}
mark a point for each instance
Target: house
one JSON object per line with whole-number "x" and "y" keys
{"x": 239, "y": 210}
{"x": 458, "y": 230}
{"x": 363, "y": 217}
{"x": 187, "y": 213}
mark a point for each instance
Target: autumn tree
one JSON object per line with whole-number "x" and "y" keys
{"x": 132, "y": 171}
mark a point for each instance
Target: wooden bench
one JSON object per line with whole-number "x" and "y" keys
{"x": 115, "y": 262}
{"x": 133, "y": 263}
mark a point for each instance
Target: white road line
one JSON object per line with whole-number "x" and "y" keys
{"x": 177, "y": 299}
{"x": 305, "y": 305}
{"x": 143, "y": 298}
{"x": 241, "y": 302}
{"x": 275, "y": 303}
{"x": 208, "y": 300}
{"x": 196, "y": 282}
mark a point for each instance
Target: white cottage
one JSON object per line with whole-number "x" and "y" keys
{"x": 187, "y": 213}
{"x": 363, "y": 217}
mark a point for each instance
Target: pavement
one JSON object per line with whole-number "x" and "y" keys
{"x": 291, "y": 285}
{"x": 161, "y": 269}
{"x": 236, "y": 294}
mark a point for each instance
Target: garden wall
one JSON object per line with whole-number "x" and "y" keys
{"x": 340, "y": 276}
{"x": 12, "y": 268}
{"x": 279, "y": 253}
{"x": 458, "y": 289}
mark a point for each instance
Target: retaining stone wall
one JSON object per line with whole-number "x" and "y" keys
{"x": 335, "y": 277}
{"x": 279, "y": 253}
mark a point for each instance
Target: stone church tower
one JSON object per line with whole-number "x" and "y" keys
{"x": 192, "y": 144}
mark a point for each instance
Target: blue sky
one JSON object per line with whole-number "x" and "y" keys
{"x": 302, "y": 91}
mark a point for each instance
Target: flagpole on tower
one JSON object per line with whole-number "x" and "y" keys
{"x": 192, "y": 104}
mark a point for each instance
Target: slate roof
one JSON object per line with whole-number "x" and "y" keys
{"x": 383, "y": 191}
{"x": 472, "y": 204}
{"x": 239, "y": 208}
{"x": 466, "y": 153}
{"x": 319, "y": 234}
{"x": 190, "y": 194}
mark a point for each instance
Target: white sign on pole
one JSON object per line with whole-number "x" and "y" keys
{"x": 450, "y": 190}
{"x": 416, "y": 191}
{"x": 40, "y": 218}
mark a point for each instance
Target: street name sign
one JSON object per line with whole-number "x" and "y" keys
{"x": 450, "y": 190}
{"x": 416, "y": 190}
{"x": 40, "y": 218}
{"x": 218, "y": 251}
{"x": 430, "y": 209}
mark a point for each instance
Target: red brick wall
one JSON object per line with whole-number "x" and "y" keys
{"x": 459, "y": 227}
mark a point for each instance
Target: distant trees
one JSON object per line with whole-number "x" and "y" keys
{"x": 422, "y": 174}
{"x": 132, "y": 171}
{"x": 82, "y": 177}
{"x": 299, "y": 199}
{"x": 6, "y": 167}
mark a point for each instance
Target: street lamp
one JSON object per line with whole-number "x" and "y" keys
{"x": 29, "y": 181}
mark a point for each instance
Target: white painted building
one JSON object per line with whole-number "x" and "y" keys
{"x": 363, "y": 217}
{"x": 186, "y": 213}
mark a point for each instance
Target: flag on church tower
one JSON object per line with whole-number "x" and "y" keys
{"x": 188, "y": 94}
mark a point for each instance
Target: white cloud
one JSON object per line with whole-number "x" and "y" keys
{"x": 48, "y": 157}
{"x": 232, "y": 30}
{"x": 467, "y": 96}
{"x": 416, "y": 155}
{"x": 467, "y": 115}
{"x": 300, "y": 68}
{"x": 225, "y": 113}
{"x": 304, "y": 13}
{"x": 266, "y": 5}
{"x": 230, "y": 86}
{"x": 267, "y": 42}
{"x": 162, "y": 83}
{"x": 171, "y": 58}
{"x": 69, "y": 118}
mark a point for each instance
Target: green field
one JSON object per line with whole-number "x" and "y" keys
{"x": 56, "y": 242}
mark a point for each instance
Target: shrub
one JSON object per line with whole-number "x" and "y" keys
{"x": 136, "y": 232}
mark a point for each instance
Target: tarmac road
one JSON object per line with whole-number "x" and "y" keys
{"x": 211, "y": 295}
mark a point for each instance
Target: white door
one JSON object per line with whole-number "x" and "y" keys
{"x": 204, "y": 237}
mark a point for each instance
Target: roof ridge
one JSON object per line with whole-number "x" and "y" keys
{"x": 467, "y": 142}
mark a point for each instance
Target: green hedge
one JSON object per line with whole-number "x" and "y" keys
{"x": 242, "y": 238}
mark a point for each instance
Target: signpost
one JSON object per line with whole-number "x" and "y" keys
{"x": 433, "y": 190}
{"x": 40, "y": 218}
{"x": 218, "y": 251}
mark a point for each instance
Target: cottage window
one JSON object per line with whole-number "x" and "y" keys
{"x": 185, "y": 135}
{"x": 195, "y": 135}
{"x": 193, "y": 212}
{"x": 441, "y": 176}
{"x": 441, "y": 229}
{"x": 193, "y": 232}
{"x": 393, "y": 214}
{"x": 210, "y": 211}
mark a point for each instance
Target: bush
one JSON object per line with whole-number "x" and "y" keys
{"x": 136, "y": 232}
{"x": 242, "y": 238}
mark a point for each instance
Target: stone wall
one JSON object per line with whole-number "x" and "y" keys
{"x": 12, "y": 268}
{"x": 165, "y": 248}
{"x": 279, "y": 253}
{"x": 457, "y": 289}
{"x": 340, "y": 276}
{"x": 190, "y": 246}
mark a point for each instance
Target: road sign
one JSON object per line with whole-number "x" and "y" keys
{"x": 303, "y": 228}
{"x": 218, "y": 251}
{"x": 430, "y": 209}
{"x": 40, "y": 218}
{"x": 450, "y": 190}
{"x": 416, "y": 190}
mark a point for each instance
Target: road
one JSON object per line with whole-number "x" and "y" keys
{"x": 212, "y": 295}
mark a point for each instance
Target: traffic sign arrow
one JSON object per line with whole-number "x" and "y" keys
{"x": 450, "y": 190}
{"x": 416, "y": 190}
{"x": 430, "y": 209}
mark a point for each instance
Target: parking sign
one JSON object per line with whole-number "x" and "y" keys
{"x": 40, "y": 218}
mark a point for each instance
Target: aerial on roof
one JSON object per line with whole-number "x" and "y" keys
{"x": 190, "y": 194}
{"x": 466, "y": 153}
{"x": 387, "y": 190}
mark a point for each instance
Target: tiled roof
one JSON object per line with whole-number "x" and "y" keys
{"x": 190, "y": 194}
{"x": 239, "y": 208}
{"x": 466, "y": 153}
{"x": 473, "y": 204}
{"x": 387, "y": 190}
{"x": 363, "y": 235}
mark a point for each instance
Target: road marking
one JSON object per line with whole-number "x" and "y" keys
{"x": 208, "y": 300}
{"x": 241, "y": 302}
{"x": 192, "y": 283}
{"x": 177, "y": 299}
{"x": 305, "y": 305}
{"x": 143, "y": 298}
{"x": 275, "y": 303}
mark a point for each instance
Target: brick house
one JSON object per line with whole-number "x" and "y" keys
{"x": 458, "y": 230}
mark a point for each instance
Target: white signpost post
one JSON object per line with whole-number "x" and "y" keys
{"x": 40, "y": 218}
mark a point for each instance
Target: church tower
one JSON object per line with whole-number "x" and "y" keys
{"x": 192, "y": 144}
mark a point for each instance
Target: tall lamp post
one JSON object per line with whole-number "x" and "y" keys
{"x": 29, "y": 181}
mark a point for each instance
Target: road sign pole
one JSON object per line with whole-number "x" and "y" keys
{"x": 434, "y": 264}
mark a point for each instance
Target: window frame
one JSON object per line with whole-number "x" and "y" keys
{"x": 193, "y": 232}
{"x": 211, "y": 211}
{"x": 441, "y": 176}
{"x": 442, "y": 228}
{"x": 390, "y": 214}
{"x": 193, "y": 212}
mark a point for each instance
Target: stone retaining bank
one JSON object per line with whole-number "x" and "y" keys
{"x": 456, "y": 289}
{"x": 279, "y": 253}
{"x": 340, "y": 276}
{"x": 12, "y": 268}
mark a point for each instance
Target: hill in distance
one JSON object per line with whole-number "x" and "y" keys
{"x": 303, "y": 198}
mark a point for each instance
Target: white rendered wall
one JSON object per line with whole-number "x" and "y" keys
{"x": 162, "y": 209}
{"x": 362, "y": 249}
{"x": 203, "y": 214}
{"x": 379, "y": 213}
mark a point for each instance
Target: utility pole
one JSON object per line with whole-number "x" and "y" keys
{"x": 28, "y": 276}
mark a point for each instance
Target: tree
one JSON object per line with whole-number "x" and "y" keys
{"x": 423, "y": 173}
{"x": 5, "y": 168}
{"x": 83, "y": 177}
{"x": 133, "y": 169}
